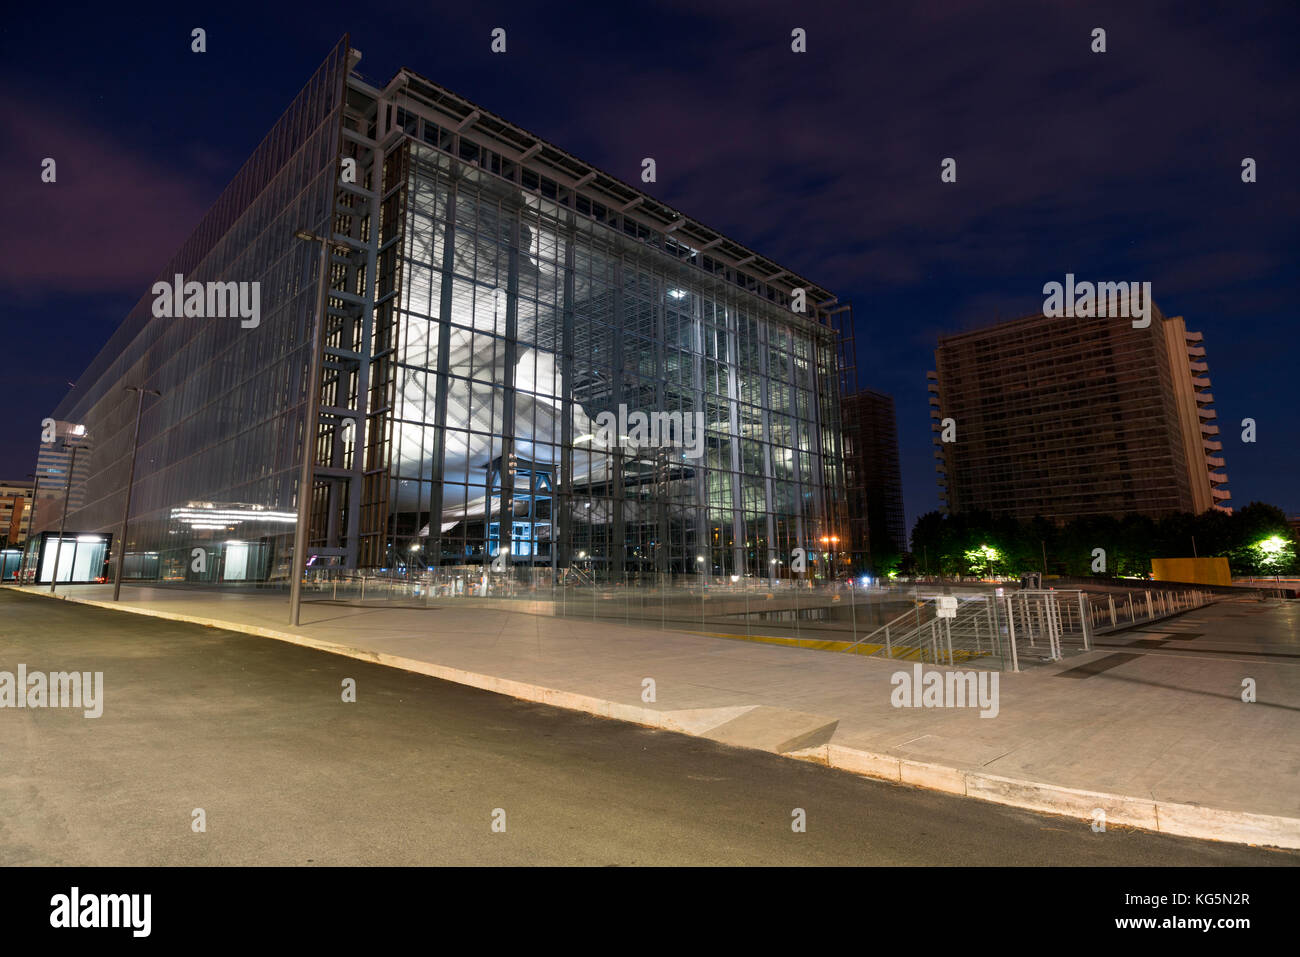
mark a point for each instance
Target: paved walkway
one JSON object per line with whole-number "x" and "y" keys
{"x": 1150, "y": 727}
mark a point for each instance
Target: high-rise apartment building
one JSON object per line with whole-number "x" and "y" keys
{"x": 1069, "y": 417}
{"x": 502, "y": 322}
{"x": 53, "y": 460}
{"x": 877, "y": 528}
{"x": 15, "y": 512}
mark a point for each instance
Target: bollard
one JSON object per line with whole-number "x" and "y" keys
{"x": 1056, "y": 626}
{"x": 996, "y": 648}
{"x": 853, "y": 604}
{"x": 1083, "y": 621}
{"x": 796, "y": 611}
{"x": 1011, "y": 634}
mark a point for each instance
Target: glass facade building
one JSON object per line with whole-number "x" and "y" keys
{"x": 525, "y": 363}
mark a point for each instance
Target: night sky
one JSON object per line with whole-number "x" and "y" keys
{"x": 1117, "y": 166}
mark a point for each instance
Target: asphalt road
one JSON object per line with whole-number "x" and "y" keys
{"x": 256, "y": 734}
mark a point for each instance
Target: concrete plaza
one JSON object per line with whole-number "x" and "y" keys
{"x": 1150, "y": 726}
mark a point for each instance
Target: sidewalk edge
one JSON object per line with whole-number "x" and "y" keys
{"x": 1183, "y": 820}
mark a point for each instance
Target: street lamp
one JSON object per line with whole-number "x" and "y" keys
{"x": 831, "y": 540}
{"x": 298, "y": 568}
{"x": 63, "y": 522}
{"x": 130, "y": 482}
{"x": 1273, "y": 553}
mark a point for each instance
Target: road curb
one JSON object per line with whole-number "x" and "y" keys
{"x": 1183, "y": 820}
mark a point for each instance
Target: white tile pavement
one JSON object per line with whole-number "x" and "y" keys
{"x": 1161, "y": 741}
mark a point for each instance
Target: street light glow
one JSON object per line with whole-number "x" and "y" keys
{"x": 1272, "y": 547}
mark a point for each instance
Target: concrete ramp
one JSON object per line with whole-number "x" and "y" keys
{"x": 698, "y": 721}
{"x": 774, "y": 729}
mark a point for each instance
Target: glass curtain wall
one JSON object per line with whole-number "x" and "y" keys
{"x": 219, "y": 449}
{"x": 521, "y": 322}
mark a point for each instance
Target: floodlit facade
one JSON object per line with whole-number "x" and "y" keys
{"x": 1072, "y": 417}
{"x": 524, "y": 359}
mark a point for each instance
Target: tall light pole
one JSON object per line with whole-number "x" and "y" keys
{"x": 130, "y": 481}
{"x": 63, "y": 522}
{"x": 314, "y": 365}
{"x": 833, "y": 541}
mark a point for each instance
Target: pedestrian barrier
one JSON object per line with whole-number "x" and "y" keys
{"x": 985, "y": 627}
{"x": 998, "y": 630}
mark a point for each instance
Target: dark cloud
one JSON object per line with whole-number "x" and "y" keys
{"x": 110, "y": 220}
{"x": 1123, "y": 165}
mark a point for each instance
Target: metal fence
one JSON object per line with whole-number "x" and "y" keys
{"x": 988, "y": 627}
{"x": 821, "y": 613}
{"x": 998, "y": 630}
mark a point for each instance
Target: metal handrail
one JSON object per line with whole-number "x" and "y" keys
{"x": 885, "y": 628}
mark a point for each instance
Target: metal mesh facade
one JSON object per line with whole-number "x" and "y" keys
{"x": 490, "y": 303}
{"x": 521, "y": 322}
{"x": 223, "y": 440}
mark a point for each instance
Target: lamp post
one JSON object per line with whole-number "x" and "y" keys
{"x": 63, "y": 522}
{"x": 314, "y": 365}
{"x": 833, "y": 541}
{"x": 130, "y": 482}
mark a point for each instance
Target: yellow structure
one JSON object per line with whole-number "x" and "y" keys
{"x": 1200, "y": 571}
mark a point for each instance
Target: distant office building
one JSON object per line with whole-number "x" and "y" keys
{"x": 15, "y": 512}
{"x": 501, "y": 320}
{"x": 1070, "y": 417}
{"x": 874, "y": 480}
{"x": 51, "y": 483}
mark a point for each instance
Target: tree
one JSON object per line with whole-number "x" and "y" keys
{"x": 1263, "y": 543}
{"x": 1256, "y": 539}
{"x": 1174, "y": 534}
{"x": 930, "y": 537}
{"x": 1137, "y": 537}
{"x": 1214, "y": 531}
